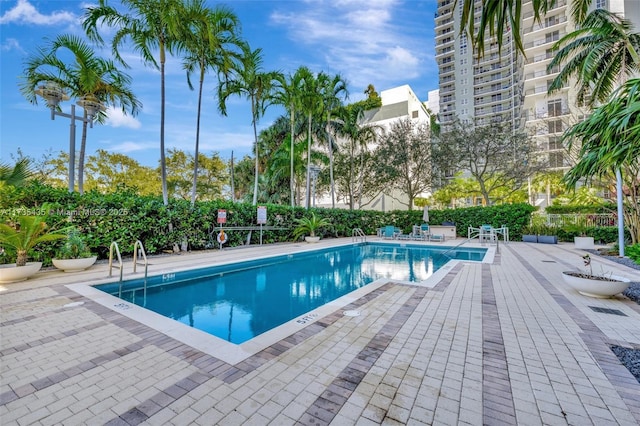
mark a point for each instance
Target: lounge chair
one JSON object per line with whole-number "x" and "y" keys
{"x": 389, "y": 232}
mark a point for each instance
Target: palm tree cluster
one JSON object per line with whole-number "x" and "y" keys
{"x": 208, "y": 40}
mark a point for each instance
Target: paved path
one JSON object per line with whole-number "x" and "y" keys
{"x": 488, "y": 343}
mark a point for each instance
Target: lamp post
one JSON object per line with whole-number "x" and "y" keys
{"x": 314, "y": 171}
{"x": 53, "y": 94}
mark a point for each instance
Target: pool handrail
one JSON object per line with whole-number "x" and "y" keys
{"x": 138, "y": 246}
{"x": 111, "y": 266}
{"x": 357, "y": 234}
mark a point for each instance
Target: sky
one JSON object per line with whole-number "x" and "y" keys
{"x": 387, "y": 43}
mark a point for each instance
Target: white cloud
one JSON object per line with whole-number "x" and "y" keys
{"x": 11, "y": 44}
{"x": 25, "y": 13}
{"x": 364, "y": 40}
{"x": 130, "y": 146}
{"x": 116, "y": 118}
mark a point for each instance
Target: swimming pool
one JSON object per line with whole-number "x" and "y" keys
{"x": 239, "y": 301}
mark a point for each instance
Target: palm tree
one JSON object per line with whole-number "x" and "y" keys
{"x": 87, "y": 77}
{"x": 311, "y": 104}
{"x": 601, "y": 53}
{"x": 15, "y": 175}
{"x": 288, "y": 93}
{"x": 348, "y": 125}
{"x": 153, "y": 26}
{"x": 609, "y": 141}
{"x": 500, "y": 16}
{"x": 332, "y": 89}
{"x": 249, "y": 81}
{"x": 210, "y": 43}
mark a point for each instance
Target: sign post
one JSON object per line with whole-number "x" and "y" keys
{"x": 262, "y": 219}
{"x": 222, "y": 219}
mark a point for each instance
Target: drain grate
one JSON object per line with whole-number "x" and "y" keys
{"x": 608, "y": 311}
{"x": 549, "y": 261}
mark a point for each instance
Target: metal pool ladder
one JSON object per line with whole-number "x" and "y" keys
{"x": 113, "y": 246}
{"x": 139, "y": 247}
{"x": 358, "y": 235}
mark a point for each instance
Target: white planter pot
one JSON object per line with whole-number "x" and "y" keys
{"x": 596, "y": 288}
{"x": 585, "y": 243}
{"x": 12, "y": 273}
{"x": 74, "y": 265}
{"x": 312, "y": 239}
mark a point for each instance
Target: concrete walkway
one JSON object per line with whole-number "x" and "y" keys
{"x": 505, "y": 342}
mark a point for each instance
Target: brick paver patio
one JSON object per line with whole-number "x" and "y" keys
{"x": 505, "y": 342}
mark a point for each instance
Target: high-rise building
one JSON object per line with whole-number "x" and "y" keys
{"x": 508, "y": 85}
{"x": 476, "y": 90}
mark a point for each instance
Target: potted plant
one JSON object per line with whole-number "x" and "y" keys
{"x": 588, "y": 284}
{"x": 309, "y": 225}
{"x": 580, "y": 239}
{"x": 529, "y": 234}
{"x": 22, "y": 235}
{"x": 547, "y": 235}
{"x": 74, "y": 255}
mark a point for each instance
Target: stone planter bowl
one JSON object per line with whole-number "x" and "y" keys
{"x": 596, "y": 288}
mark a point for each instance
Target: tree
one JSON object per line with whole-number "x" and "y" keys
{"x": 15, "y": 175}
{"x": 500, "y": 160}
{"x": 404, "y": 158}
{"x": 88, "y": 77}
{"x": 601, "y": 53}
{"x": 501, "y": 16}
{"x": 153, "y": 26}
{"x": 248, "y": 80}
{"x": 311, "y": 104}
{"x": 210, "y": 43}
{"x": 332, "y": 89}
{"x": 180, "y": 165}
{"x": 287, "y": 93}
{"x": 610, "y": 141}
{"x": 353, "y": 158}
{"x": 109, "y": 172}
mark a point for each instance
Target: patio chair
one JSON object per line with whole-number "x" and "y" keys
{"x": 389, "y": 232}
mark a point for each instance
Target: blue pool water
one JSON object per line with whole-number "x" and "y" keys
{"x": 239, "y": 301}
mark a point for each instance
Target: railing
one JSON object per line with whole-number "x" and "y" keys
{"x": 113, "y": 246}
{"x": 138, "y": 247}
{"x": 581, "y": 219}
{"x": 358, "y": 235}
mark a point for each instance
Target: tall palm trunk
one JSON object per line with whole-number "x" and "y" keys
{"x": 307, "y": 195}
{"x": 330, "y": 145}
{"x": 255, "y": 138}
{"x": 291, "y": 181}
{"x": 195, "y": 160}
{"x": 163, "y": 161}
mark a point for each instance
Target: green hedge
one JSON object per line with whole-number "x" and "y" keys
{"x": 571, "y": 208}
{"x": 125, "y": 217}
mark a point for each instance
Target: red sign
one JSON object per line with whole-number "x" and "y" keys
{"x": 222, "y": 216}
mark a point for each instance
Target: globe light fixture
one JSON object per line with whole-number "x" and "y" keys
{"x": 53, "y": 94}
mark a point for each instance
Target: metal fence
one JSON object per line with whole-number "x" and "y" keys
{"x": 580, "y": 219}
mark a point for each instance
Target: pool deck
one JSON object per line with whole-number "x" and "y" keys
{"x": 504, "y": 342}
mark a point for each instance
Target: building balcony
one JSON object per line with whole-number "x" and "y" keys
{"x": 544, "y": 41}
{"x": 560, "y": 4}
{"x": 491, "y": 89}
{"x": 544, "y": 25}
{"x": 447, "y": 51}
{"x": 493, "y": 78}
{"x": 539, "y": 58}
{"x": 541, "y": 115}
{"x": 541, "y": 73}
